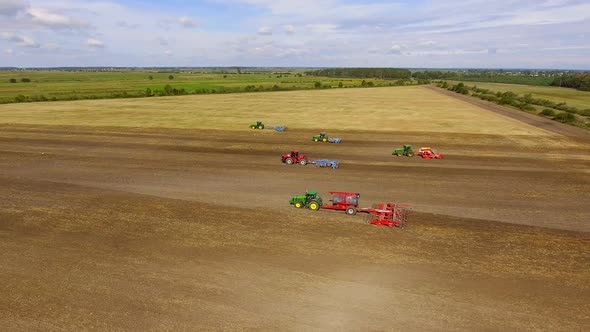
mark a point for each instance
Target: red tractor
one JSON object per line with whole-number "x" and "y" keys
{"x": 427, "y": 153}
{"x": 294, "y": 158}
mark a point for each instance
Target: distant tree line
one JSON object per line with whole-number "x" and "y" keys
{"x": 525, "y": 102}
{"x": 483, "y": 76}
{"x": 379, "y": 73}
{"x": 578, "y": 81}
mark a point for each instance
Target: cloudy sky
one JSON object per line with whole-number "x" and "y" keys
{"x": 402, "y": 33}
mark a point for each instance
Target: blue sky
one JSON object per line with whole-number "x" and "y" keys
{"x": 376, "y": 33}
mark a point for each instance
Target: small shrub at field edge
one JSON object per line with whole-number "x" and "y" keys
{"x": 565, "y": 117}
{"x": 528, "y": 108}
{"x": 585, "y": 112}
{"x": 25, "y": 80}
{"x": 548, "y": 112}
{"x": 12, "y": 80}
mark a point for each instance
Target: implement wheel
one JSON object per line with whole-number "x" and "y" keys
{"x": 299, "y": 204}
{"x": 351, "y": 210}
{"x": 313, "y": 205}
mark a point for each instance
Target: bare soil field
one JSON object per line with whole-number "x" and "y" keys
{"x": 172, "y": 229}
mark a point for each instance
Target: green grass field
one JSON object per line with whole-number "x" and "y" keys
{"x": 63, "y": 85}
{"x": 379, "y": 109}
{"x": 573, "y": 97}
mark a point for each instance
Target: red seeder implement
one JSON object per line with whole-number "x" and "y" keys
{"x": 382, "y": 214}
{"x": 388, "y": 214}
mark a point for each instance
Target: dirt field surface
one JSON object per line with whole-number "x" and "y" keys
{"x": 177, "y": 229}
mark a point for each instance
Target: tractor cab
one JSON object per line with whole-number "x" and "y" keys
{"x": 323, "y": 136}
{"x": 257, "y": 125}
{"x": 294, "y": 158}
{"x": 311, "y": 200}
{"x": 405, "y": 151}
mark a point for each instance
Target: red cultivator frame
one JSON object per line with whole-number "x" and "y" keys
{"x": 388, "y": 214}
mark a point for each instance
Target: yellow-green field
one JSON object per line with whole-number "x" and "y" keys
{"x": 573, "y": 97}
{"x": 380, "y": 109}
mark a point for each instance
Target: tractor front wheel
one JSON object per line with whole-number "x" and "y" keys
{"x": 299, "y": 204}
{"x": 289, "y": 161}
{"x": 313, "y": 205}
{"x": 303, "y": 162}
{"x": 351, "y": 210}
{"x": 315, "y": 139}
{"x": 399, "y": 154}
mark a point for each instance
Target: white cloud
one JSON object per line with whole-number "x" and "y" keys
{"x": 168, "y": 52}
{"x": 11, "y": 7}
{"x": 265, "y": 31}
{"x": 94, "y": 43}
{"x": 289, "y": 29}
{"x": 22, "y": 41}
{"x": 47, "y": 18}
{"x": 397, "y": 49}
{"x": 187, "y": 22}
{"x": 8, "y": 51}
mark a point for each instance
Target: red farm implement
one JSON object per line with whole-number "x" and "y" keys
{"x": 428, "y": 153}
{"x": 388, "y": 214}
{"x": 381, "y": 214}
{"x": 344, "y": 201}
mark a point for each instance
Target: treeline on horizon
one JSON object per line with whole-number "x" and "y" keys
{"x": 381, "y": 73}
{"x": 575, "y": 81}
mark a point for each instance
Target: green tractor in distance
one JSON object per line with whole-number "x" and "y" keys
{"x": 257, "y": 125}
{"x": 321, "y": 137}
{"x": 311, "y": 200}
{"x": 405, "y": 151}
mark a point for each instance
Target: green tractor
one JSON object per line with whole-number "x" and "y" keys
{"x": 321, "y": 137}
{"x": 405, "y": 151}
{"x": 257, "y": 125}
{"x": 311, "y": 200}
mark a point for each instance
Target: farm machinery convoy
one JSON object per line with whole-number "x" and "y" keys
{"x": 381, "y": 214}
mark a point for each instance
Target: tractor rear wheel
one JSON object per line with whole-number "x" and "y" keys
{"x": 351, "y": 210}
{"x": 303, "y": 162}
{"x": 299, "y": 204}
{"x": 410, "y": 154}
{"x": 259, "y": 127}
{"x": 289, "y": 161}
{"x": 313, "y": 205}
{"x": 324, "y": 139}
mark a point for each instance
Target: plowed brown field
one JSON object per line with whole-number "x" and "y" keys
{"x": 178, "y": 229}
